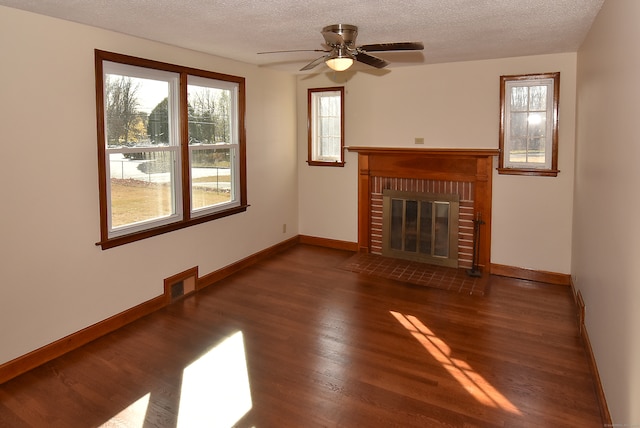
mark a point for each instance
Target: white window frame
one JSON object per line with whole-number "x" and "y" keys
{"x": 173, "y": 81}
{"x": 550, "y": 165}
{"x": 233, "y": 145}
{"x": 316, "y": 151}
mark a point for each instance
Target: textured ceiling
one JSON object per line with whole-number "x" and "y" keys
{"x": 452, "y": 30}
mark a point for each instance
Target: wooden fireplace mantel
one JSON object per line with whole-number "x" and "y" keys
{"x": 469, "y": 165}
{"x": 444, "y": 151}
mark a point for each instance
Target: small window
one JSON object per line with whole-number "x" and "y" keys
{"x": 170, "y": 147}
{"x": 529, "y": 124}
{"x": 326, "y": 126}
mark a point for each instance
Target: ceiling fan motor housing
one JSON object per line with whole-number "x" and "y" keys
{"x": 347, "y": 33}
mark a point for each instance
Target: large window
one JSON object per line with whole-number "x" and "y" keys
{"x": 529, "y": 124}
{"x": 326, "y": 126}
{"x": 170, "y": 147}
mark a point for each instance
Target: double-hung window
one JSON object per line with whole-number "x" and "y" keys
{"x": 326, "y": 126}
{"x": 529, "y": 124}
{"x": 170, "y": 147}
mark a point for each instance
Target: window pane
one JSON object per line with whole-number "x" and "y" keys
{"x": 537, "y": 124}
{"x": 518, "y": 150}
{"x": 209, "y": 114}
{"x": 518, "y": 137}
{"x": 519, "y": 124}
{"x": 211, "y": 177}
{"x": 538, "y": 98}
{"x": 536, "y": 150}
{"x": 141, "y": 187}
{"x": 328, "y": 104}
{"x": 537, "y": 133}
{"x": 519, "y": 98}
{"x": 136, "y": 111}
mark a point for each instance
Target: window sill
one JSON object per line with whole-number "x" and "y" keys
{"x": 529, "y": 171}
{"x": 323, "y": 163}
{"x": 133, "y": 237}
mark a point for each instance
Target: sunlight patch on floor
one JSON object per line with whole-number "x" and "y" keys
{"x": 471, "y": 381}
{"x": 132, "y": 416}
{"x": 215, "y": 391}
{"x": 215, "y": 388}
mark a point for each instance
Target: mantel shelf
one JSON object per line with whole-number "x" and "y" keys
{"x": 424, "y": 151}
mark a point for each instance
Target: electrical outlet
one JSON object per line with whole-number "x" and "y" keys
{"x": 284, "y": 227}
{"x": 419, "y": 140}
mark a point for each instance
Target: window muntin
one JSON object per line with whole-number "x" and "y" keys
{"x": 326, "y": 126}
{"x": 156, "y": 174}
{"x": 529, "y": 124}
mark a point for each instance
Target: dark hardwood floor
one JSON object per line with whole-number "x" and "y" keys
{"x": 295, "y": 341}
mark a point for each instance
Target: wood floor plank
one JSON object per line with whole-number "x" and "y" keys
{"x": 325, "y": 347}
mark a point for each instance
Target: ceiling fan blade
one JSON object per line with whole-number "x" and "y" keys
{"x": 314, "y": 63}
{"x": 398, "y": 46}
{"x": 294, "y": 50}
{"x": 371, "y": 60}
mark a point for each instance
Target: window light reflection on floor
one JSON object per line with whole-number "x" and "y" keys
{"x": 133, "y": 416}
{"x": 215, "y": 388}
{"x": 471, "y": 381}
{"x": 215, "y": 391}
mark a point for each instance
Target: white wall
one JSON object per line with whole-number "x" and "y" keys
{"x": 55, "y": 281}
{"x": 606, "y": 254}
{"x": 453, "y": 105}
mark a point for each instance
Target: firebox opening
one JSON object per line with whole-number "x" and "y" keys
{"x": 421, "y": 227}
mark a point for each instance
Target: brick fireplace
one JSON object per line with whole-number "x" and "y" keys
{"x": 466, "y": 173}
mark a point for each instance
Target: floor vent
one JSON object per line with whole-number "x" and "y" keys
{"x": 181, "y": 284}
{"x": 177, "y": 290}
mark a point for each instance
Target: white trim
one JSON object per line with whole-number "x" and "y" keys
{"x": 548, "y": 148}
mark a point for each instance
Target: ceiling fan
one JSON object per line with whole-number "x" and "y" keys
{"x": 342, "y": 51}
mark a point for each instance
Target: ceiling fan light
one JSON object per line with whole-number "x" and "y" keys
{"x": 340, "y": 59}
{"x": 339, "y": 63}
